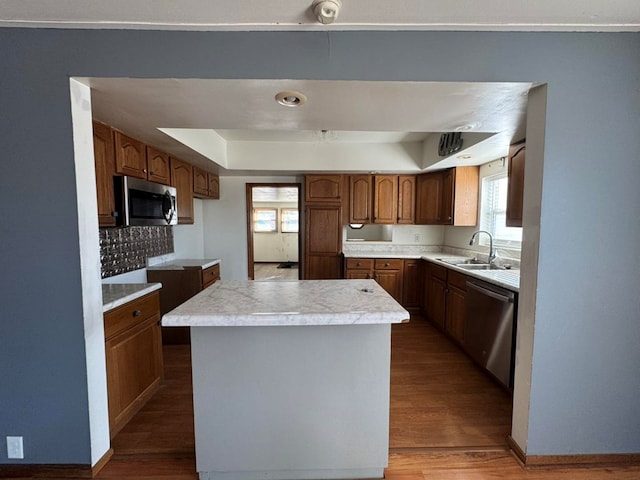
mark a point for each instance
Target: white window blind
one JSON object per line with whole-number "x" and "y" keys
{"x": 493, "y": 213}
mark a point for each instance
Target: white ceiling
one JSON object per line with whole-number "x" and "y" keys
{"x": 541, "y": 15}
{"x": 239, "y": 125}
{"x": 235, "y": 127}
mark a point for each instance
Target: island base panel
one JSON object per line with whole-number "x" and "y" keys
{"x": 291, "y": 402}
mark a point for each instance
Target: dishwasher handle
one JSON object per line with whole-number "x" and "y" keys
{"x": 507, "y": 297}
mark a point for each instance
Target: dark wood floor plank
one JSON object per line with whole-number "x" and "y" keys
{"x": 448, "y": 421}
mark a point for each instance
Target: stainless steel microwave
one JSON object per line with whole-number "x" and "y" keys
{"x": 143, "y": 203}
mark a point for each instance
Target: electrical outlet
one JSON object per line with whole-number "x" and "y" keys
{"x": 14, "y": 447}
{"x": 416, "y": 237}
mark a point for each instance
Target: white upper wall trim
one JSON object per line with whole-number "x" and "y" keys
{"x": 496, "y": 15}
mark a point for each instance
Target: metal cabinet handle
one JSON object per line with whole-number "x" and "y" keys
{"x": 386, "y": 264}
{"x": 358, "y": 264}
{"x": 137, "y": 313}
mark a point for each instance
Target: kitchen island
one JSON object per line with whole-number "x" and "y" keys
{"x": 290, "y": 379}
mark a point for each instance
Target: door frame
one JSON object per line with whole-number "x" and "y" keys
{"x": 249, "y": 207}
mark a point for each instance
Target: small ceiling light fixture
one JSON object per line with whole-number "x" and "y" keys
{"x": 467, "y": 127}
{"x": 326, "y": 11}
{"x": 464, "y": 157}
{"x": 291, "y": 98}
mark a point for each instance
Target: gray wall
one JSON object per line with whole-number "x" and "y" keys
{"x": 585, "y": 382}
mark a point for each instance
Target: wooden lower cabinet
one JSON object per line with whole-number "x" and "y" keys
{"x": 445, "y": 302}
{"x": 133, "y": 349}
{"x": 456, "y": 306}
{"x": 178, "y": 286}
{"x": 412, "y": 285}
{"x": 436, "y": 294}
{"x": 388, "y": 272}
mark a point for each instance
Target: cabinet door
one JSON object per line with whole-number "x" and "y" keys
{"x": 104, "y": 155}
{"x": 360, "y": 197}
{"x": 515, "y": 189}
{"x": 200, "y": 182}
{"x": 391, "y": 281}
{"x": 182, "y": 179}
{"x": 322, "y": 267}
{"x": 464, "y": 196}
{"x": 385, "y": 199}
{"x": 323, "y": 241}
{"x": 214, "y": 185}
{"x": 406, "y": 199}
{"x": 446, "y": 204}
{"x": 134, "y": 370}
{"x": 158, "y": 167}
{"x": 456, "y": 313}
{"x": 131, "y": 156}
{"x": 428, "y": 198}
{"x": 411, "y": 284}
{"x": 323, "y": 188}
{"x": 436, "y": 300}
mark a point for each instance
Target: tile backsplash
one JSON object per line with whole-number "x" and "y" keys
{"x": 125, "y": 249}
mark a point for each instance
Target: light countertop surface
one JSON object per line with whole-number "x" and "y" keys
{"x": 116, "y": 294}
{"x": 182, "y": 263}
{"x": 509, "y": 279}
{"x": 303, "y": 302}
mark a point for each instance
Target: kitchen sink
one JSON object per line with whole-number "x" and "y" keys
{"x": 461, "y": 262}
{"x": 480, "y": 266}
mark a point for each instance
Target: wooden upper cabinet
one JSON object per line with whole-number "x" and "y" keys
{"x": 460, "y": 196}
{"x": 429, "y": 198}
{"x": 385, "y": 199}
{"x": 131, "y": 156}
{"x": 200, "y": 182}
{"x": 158, "y": 168}
{"x": 205, "y": 184}
{"x": 214, "y": 185}
{"x": 448, "y": 197}
{"x": 373, "y": 199}
{"x": 323, "y": 188}
{"x": 406, "y": 199}
{"x": 104, "y": 155}
{"x": 360, "y": 197}
{"x": 515, "y": 189}
{"x": 182, "y": 179}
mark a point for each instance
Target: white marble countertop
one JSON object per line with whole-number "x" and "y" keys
{"x": 504, "y": 278}
{"x": 182, "y": 263}
{"x": 116, "y": 294}
{"x": 303, "y": 302}
{"x": 509, "y": 279}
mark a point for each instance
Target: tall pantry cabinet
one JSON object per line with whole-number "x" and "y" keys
{"x": 323, "y": 226}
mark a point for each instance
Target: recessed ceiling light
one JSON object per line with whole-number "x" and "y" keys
{"x": 464, "y": 157}
{"x": 467, "y": 127}
{"x": 291, "y": 98}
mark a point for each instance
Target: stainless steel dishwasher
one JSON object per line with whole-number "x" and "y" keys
{"x": 489, "y": 330}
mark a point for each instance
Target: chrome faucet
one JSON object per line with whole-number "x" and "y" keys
{"x": 492, "y": 252}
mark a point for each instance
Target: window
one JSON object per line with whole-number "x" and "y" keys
{"x": 289, "y": 220}
{"x": 493, "y": 213}
{"x": 265, "y": 220}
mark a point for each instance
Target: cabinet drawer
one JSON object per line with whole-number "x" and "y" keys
{"x": 438, "y": 272}
{"x": 126, "y": 316}
{"x": 457, "y": 279}
{"x": 360, "y": 263}
{"x": 210, "y": 275}
{"x": 388, "y": 264}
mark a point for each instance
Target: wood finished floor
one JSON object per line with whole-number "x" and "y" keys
{"x": 448, "y": 421}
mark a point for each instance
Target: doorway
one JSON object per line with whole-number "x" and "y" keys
{"x": 273, "y": 232}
